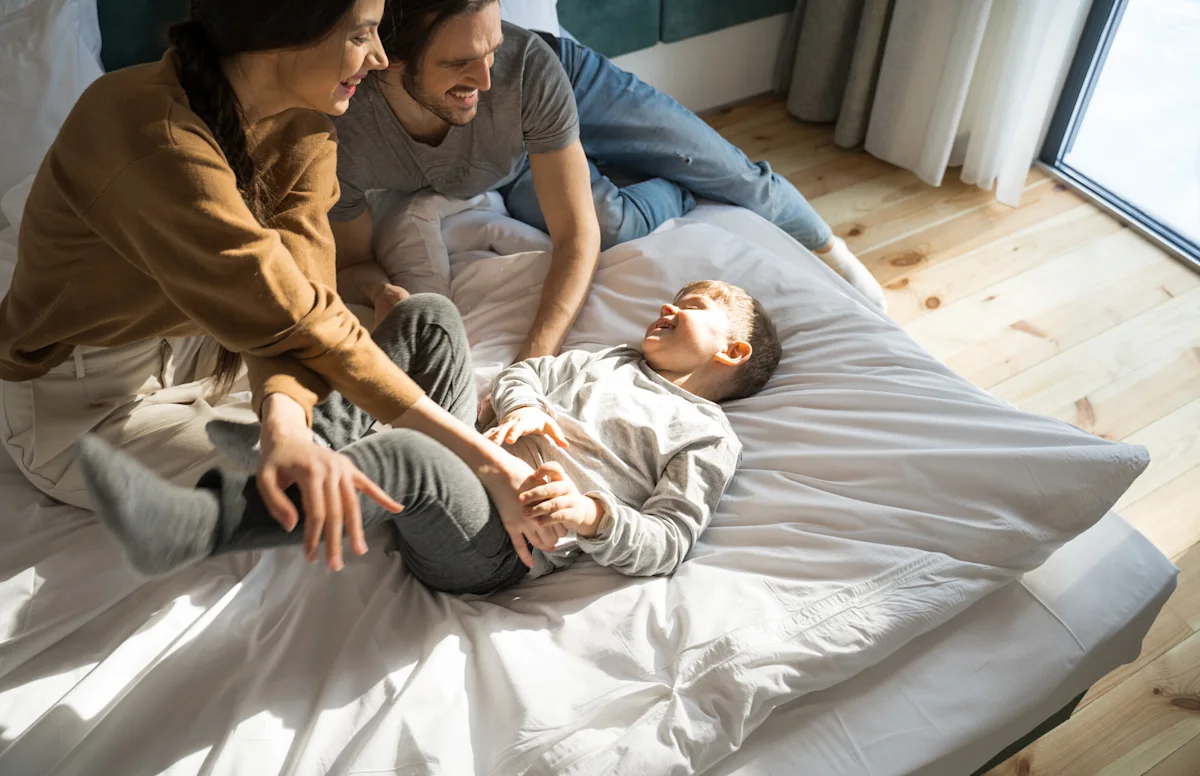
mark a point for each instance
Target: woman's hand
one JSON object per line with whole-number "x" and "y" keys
{"x": 526, "y": 421}
{"x": 329, "y": 483}
{"x": 500, "y": 472}
{"x": 551, "y": 499}
{"x": 384, "y": 297}
{"x": 486, "y": 413}
{"x": 503, "y": 480}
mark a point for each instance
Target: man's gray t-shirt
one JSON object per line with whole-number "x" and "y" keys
{"x": 529, "y": 109}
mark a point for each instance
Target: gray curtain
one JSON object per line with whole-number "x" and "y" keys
{"x": 830, "y": 63}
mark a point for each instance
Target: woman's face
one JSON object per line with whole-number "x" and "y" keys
{"x": 325, "y": 76}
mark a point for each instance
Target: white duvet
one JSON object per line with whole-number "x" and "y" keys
{"x": 879, "y": 496}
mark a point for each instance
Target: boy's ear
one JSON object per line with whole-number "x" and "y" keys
{"x": 736, "y": 354}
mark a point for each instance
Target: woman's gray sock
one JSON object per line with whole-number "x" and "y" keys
{"x": 162, "y": 526}
{"x": 239, "y": 442}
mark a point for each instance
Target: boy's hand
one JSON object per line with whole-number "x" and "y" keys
{"x": 526, "y": 421}
{"x": 551, "y": 499}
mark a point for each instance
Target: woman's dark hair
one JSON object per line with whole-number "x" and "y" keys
{"x": 422, "y": 18}
{"x": 216, "y": 29}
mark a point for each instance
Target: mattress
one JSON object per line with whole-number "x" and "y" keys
{"x": 263, "y": 664}
{"x": 954, "y": 698}
{"x": 949, "y": 701}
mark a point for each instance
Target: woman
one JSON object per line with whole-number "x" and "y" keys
{"x": 178, "y": 228}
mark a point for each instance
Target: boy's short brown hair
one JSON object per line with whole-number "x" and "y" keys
{"x": 749, "y": 322}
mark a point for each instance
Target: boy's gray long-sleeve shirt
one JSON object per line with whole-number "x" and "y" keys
{"x": 658, "y": 458}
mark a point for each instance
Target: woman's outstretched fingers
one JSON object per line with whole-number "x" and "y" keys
{"x": 312, "y": 496}
{"x": 354, "y": 525}
{"x": 278, "y": 504}
{"x": 334, "y": 521}
{"x": 377, "y": 494}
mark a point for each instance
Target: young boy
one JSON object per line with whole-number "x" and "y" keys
{"x": 631, "y": 456}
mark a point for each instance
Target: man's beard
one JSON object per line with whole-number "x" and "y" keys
{"x": 431, "y": 103}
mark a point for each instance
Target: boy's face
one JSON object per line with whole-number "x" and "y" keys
{"x": 689, "y": 333}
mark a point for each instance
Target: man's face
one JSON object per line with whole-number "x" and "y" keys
{"x": 687, "y": 335}
{"x": 457, "y": 66}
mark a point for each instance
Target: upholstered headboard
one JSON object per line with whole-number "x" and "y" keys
{"x": 134, "y": 31}
{"x": 687, "y": 18}
{"x": 612, "y": 27}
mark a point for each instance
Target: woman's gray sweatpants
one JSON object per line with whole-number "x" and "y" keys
{"x": 451, "y": 537}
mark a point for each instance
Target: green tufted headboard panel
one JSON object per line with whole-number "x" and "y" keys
{"x": 135, "y": 31}
{"x": 612, "y": 27}
{"x": 687, "y": 18}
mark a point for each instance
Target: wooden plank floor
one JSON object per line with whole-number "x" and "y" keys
{"x": 1060, "y": 309}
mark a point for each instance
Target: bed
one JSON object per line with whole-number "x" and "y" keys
{"x": 907, "y": 576}
{"x": 260, "y": 664}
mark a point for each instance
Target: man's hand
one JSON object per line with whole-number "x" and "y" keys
{"x": 384, "y": 297}
{"x": 551, "y": 499}
{"x": 526, "y": 421}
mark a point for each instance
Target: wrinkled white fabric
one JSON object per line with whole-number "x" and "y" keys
{"x": 879, "y": 495}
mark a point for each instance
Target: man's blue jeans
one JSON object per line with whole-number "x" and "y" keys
{"x": 634, "y": 134}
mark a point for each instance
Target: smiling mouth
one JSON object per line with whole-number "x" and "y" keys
{"x": 464, "y": 96}
{"x": 351, "y": 83}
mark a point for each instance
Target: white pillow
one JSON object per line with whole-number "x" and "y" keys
{"x": 532, "y": 14}
{"x": 49, "y": 53}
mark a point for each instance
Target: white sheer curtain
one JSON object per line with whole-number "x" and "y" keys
{"x": 972, "y": 83}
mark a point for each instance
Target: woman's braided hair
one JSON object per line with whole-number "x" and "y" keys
{"x": 214, "y": 31}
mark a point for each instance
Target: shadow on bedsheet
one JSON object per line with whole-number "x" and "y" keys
{"x": 273, "y": 661}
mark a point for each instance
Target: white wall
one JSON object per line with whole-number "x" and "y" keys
{"x": 715, "y": 69}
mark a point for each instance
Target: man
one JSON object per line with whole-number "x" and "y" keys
{"x": 470, "y": 104}
{"x": 464, "y": 103}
